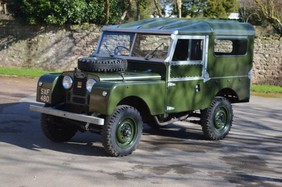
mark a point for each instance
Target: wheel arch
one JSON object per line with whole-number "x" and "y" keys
{"x": 229, "y": 94}
{"x": 139, "y": 104}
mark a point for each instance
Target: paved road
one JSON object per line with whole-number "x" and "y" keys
{"x": 179, "y": 155}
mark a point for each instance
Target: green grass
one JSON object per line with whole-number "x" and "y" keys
{"x": 266, "y": 89}
{"x": 22, "y": 72}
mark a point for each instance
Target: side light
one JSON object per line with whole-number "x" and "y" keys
{"x": 89, "y": 84}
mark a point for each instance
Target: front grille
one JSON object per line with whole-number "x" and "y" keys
{"x": 78, "y": 97}
{"x": 79, "y": 87}
{"x": 79, "y": 100}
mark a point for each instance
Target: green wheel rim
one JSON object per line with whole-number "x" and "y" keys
{"x": 126, "y": 133}
{"x": 221, "y": 119}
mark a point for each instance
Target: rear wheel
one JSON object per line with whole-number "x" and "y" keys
{"x": 55, "y": 130}
{"x": 216, "y": 120}
{"x": 122, "y": 131}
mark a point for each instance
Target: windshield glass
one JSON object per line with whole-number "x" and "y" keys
{"x": 145, "y": 45}
{"x": 151, "y": 46}
{"x": 116, "y": 43}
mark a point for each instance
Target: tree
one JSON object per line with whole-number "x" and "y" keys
{"x": 158, "y": 9}
{"x": 193, "y": 8}
{"x": 203, "y": 8}
{"x": 220, "y": 8}
{"x": 3, "y": 3}
{"x": 107, "y": 11}
{"x": 271, "y": 11}
{"x": 248, "y": 10}
{"x": 178, "y": 4}
{"x": 138, "y": 9}
{"x": 67, "y": 11}
{"x": 126, "y": 8}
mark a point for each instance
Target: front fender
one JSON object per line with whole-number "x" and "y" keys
{"x": 105, "y": 96}
{"x": 50, "y": 89}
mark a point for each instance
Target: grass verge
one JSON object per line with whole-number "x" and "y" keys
{"x": 22, "y": 72}
{"x": 266, "y": 90}
{"x": 259, "y": 90}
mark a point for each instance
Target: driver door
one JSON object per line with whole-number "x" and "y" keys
{"x": 187, "y": 73}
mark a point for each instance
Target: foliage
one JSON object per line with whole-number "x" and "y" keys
{"x": 117, "y": 11}
{"x": 220, "y": 8}
{"x": 130, "y": 10}
{"x": 271, "y": 11}
{"x": 65, "y": 11}
{"x": 193, "y": 8}
{"x": 208, "y": 8}
{"x": 263, "y": 13}
{"x": 249, "y": 12}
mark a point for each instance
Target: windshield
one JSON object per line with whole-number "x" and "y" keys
{"x": 145, "y": 45}
{"x": 116, "y": 43}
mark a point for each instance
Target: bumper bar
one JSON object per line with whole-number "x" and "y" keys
{"x": 69, "y": 115}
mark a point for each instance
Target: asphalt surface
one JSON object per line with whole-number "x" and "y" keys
{"x": 251, "y": 155}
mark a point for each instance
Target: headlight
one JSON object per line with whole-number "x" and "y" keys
{"x": 67, "y": 82}
{"x": 89, "y": 84}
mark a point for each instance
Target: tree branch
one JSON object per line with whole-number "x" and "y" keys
{"x": 159, "y": 11}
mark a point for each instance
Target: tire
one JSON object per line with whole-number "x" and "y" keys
{"x": 55, "y": 132}
{"x": 122, "y": 131}
{"x": 92, "y": 64}
{"x": 216, "y": 120}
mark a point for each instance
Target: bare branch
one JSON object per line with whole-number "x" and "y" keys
{"x": 268, "y": 9}
{"x": 159, "y": 11}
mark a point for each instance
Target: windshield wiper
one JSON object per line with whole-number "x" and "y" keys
{"x": 110, "y": 52}
{"x": 151, "y": 54}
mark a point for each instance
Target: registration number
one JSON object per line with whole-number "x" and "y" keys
{"x": 45, "y": 95}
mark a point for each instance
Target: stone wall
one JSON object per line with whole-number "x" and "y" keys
{"x": 49, "y": 48}
{"x": 58, "y": 48}
{"x": 267, "y": 65}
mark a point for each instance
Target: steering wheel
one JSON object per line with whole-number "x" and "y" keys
{"x": 119, "y": 48}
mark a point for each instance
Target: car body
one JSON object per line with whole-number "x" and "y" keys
{"x": 155, "y": 71}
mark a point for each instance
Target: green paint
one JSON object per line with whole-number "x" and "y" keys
{"x": 165, "y": 88}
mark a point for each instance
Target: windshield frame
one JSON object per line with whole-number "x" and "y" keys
{"x": 130, "y": 56}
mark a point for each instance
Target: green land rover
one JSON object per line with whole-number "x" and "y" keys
{"x": 153, "y": 71}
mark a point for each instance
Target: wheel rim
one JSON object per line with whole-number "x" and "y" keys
{"x": 221, "y": 119}
{"x": 126, "y": 133}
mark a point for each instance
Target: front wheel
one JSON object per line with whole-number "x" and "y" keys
{"x": 122, "y": 131}
{"x": 216, "y": 120}
{"x": 55, "y": 130}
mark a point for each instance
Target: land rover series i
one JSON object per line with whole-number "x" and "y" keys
{"x": 153, "y": 71}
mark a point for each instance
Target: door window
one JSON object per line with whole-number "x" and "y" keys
{"x": 188, "y": 50}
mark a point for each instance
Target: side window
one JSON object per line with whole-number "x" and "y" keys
{"x": 188, "y": 50}
{"x": 181, "y": 50}
{"x": 230, "y": 47}
{"x": 196, "y": 50}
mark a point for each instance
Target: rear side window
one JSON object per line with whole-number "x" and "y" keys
{"x": 231, "y": 47}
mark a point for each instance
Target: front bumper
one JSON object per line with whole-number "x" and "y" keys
{"x": 68, "y": 115}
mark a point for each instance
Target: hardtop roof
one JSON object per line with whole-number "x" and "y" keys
{"x": 185, "y": 27}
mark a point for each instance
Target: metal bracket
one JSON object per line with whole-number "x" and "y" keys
{"x": 171, "y": 84}
{"x": 169, "y": 108}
